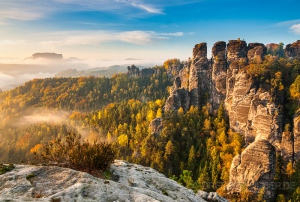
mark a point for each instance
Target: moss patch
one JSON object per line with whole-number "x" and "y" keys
{"x": 6, "y": 168}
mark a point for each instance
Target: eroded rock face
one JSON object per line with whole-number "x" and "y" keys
{"x": 251, "y": 108}
{"x": 132, "y": 183}
{"x": 236, "y": 58}
{"x": 198, "y": 80}
{"x": 211, "y": 196}
{"x": 256, "y": 52}
{"x": 287, "y": 146}
{"x": 293, "y": 50}
{"x": 179, "y": 97}
{"x": 156, "y": 126}
{"x": 296, "y": 132}
{"x": 255, "y": 169}
{"x": 238, "y": 102}
{"x": 236, "y": 50}
{"x": 219, "y": 72}
{"x": 264, "y": 119}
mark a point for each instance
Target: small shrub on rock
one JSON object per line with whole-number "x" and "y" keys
{"x": 74, "y": 153}
{"x": 6, "y": 168}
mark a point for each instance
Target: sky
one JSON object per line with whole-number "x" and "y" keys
{"x": 152, "y": 30}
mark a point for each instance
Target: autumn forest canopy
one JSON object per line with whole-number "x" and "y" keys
{"x": 194, "y": 147}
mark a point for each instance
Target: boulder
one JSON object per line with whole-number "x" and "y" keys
{"x": 211, "y": 196}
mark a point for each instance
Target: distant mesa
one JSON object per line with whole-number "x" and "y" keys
{"x": 49, "y": 56}
{"x": 132, "y": 59}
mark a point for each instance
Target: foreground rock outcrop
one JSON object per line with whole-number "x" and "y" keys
{"x": 254, "y": 169}
{"x": 129, "y": 182}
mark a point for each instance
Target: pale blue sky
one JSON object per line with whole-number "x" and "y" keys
{"x": 143, "y": 29}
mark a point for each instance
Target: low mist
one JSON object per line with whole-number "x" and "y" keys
{"x": 15, "y": 72}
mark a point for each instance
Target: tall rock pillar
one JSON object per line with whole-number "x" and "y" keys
{"x": 198, "y": 80}
{"x": 219, "y": 72}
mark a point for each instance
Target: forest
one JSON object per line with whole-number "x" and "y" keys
{"x": 195, "y": 148}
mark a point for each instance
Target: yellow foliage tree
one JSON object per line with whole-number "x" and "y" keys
{"x": 123, "y": 140}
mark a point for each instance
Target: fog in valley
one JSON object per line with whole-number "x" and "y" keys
{"x": 15, "y": 72}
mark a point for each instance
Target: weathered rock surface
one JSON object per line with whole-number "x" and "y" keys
{"x": 156, "y": 126}
{"x": 211, "y": 196}
{"x": 256, "y": 52}
{"x": 198, "y": 80}
{"x": 255, "y": 169}
{"x": 236, "y": 58}
{"x": 254, "y": 109}
{"x": 132, "y": 183}
{"x": 238, "y": 101}
{"x": 296, "y": 132}
{"x": 251, "y": 108}
{"x": 236, "y": 50}
{"x": 219, "y": 72}
{"x": 293, "y": 50}
{"x": 264, "y": 119}
{"x": 179, "y": 97}
{"x": 287, "y": 146}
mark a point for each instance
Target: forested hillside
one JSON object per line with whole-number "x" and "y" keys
{"x": 195, "y": 145}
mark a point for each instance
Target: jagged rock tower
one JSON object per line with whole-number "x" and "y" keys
{"x": 252, "y": 109}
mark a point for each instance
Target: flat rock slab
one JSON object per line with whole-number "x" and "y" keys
{"x": 132, "y": 183}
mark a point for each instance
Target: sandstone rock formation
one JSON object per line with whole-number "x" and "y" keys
{"x": 256, "y": 52}
{"x": 251, "y": 108}
{"x": 255, "y": 169}
{"x": 179, "y": 97}
{"x": 131, "y": 183}
{"x": 198, "y": 80}
{"x": 155, "y": 127}
{"x": 219, "y": 72}
{"x": 287, "y": 146}
{"x": 293, "y": 50}
{"x": 211, "y": 196}
{"x": 297, "y": 135}
{"x": 133, "y": 71}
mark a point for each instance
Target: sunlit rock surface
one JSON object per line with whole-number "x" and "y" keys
{"x": 129, "y": 182}
{"x": 254, "y": 169}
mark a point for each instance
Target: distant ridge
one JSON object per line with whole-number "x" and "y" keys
{"x": 50, "y": 56}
